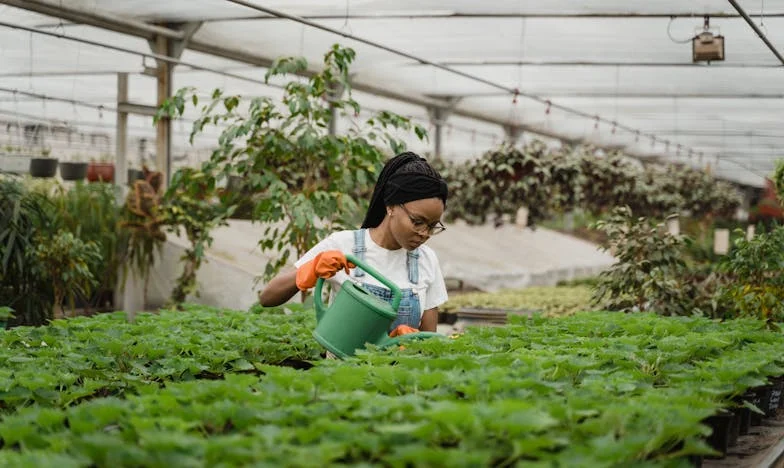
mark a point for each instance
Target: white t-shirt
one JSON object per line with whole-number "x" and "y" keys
{"x": 390, "y": 263}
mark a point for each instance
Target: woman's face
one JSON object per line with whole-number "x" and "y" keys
{"x": 412, "y": 223}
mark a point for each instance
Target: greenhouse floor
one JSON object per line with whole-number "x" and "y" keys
{"x": 481, "y": 257}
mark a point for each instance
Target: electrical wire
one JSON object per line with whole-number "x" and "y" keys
{"x": 669, "y": 33}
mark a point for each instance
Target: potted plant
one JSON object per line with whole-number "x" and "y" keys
{"x": 6, "y": 313}
{"x": 141, "y": 234}
{"x": 134, "y": 175}
{"x": 43, "y": 166}
{"x": 65, "y": 262}
{"x": 73, "y": 170}
{"x": 101, "y": 171}
{"x": 91, "y": 211}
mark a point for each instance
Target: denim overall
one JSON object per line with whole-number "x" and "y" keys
{"x": 410, "y": 312}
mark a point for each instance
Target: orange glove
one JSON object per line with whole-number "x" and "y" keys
{"x": 324, "y": 265}
{"x": 401, "y": 330}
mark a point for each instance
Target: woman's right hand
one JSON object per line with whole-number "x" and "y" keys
{"x": 324, "y": 265}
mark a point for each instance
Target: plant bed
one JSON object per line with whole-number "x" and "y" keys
{"x": 551, "y": 301}
{"x": 206, "y": 386}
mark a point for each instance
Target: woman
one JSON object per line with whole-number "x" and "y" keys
{"x": 405, "y": 210}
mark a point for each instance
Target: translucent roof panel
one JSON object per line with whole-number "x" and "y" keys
{"x": 625, "y": 61}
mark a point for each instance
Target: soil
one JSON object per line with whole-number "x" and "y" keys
{"x": 752, "y": 449}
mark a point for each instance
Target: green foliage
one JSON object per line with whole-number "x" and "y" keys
{"x": 548, "y": 300}
{"x": 197, "y": 389}
{"x": 141, "y": 222}
{"x": 23, "y": 217}
{"x": 649, "y": 268}
{"x": 549, "y": 181}
{"x": 190, "y": 204}
{"x": 86, "y": 358}
{"x": 90, "y": 212}
{"x": 755, "y": 270}
{"x": 307, "y": 182}
{"x": 778, "y": 179}
{"x": 500, "y": 182}
{"x": 6, "y": 313}
{"x": 66, "y": 262}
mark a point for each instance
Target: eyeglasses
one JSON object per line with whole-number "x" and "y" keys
{"x": 422, "y": 227}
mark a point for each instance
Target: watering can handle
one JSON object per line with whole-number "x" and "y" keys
{"x": 396, "y": 294}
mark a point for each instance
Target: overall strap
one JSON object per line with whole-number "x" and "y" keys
{"x": 359, "y": 250}
{"x": 412, "y": 262}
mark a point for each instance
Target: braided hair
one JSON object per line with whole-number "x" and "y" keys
{"x": 406, "y": 177}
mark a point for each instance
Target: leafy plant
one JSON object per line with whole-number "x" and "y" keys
{"x": 23, "y": 217}
{"x": 778, "y": 178}
{"x": 547, "y": 300}
{"x": 6, "y": 313}
{"x": 141, "y": 222}
{"x": 217, "y": 386}
{"x": 190, "y": 203}
{"x": 649, "y": 266}
{"x": 756, "y": 275}
{"x": 502, "y": 182}
{"x": 309, "y": 181}
{"x": 90, "y": 212}
{"x": 65, "y": 262}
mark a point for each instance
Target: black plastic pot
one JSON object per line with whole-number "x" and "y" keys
{"x": 73, "y": 170}
{"x": 725, "y": 426}
{"x": 761, "y": 401}
{"x": 134, "y": 175}
{"x": 43, "y": 167}
{"x": 776, "y": 388}
{"x": 744, "y": 413}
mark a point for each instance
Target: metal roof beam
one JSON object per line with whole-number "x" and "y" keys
{"x": 583, "y": 63}
{"x": 757, "y": 30}
{"x": 403, "y": 16}
{"x": 441, "y": 103}
{"x": 101, "y": 20}
{"x": 627, "y": 95}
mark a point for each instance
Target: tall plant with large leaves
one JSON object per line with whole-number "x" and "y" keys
{"x": 190, "y": 204}
{"x": 309, "y": 181}
{"x": 23, "y": 217}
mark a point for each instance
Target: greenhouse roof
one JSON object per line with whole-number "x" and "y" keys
{"x": 613, "y": 73}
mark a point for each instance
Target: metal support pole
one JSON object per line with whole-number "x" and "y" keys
{"x": 335, "y": 94}
{"x": 437, "y": 118}
{"x": 513, "y": 133}
{"x": 163, "y": 136}
{"x": 121, "y": 140}
{"x": 757, "y": 30}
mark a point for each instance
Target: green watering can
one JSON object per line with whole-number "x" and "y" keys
{"x": 357, "y": 317}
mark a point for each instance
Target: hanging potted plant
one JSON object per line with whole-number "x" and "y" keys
{"x": 73, "y": 170}
{"x": 43, "y": 166}
{"x": 134, "y": 175}
{"x": 101, "y": 171}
